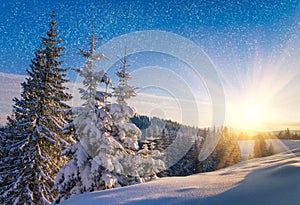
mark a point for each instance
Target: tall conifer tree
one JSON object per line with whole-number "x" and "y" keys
{"x": 34, "y": 140}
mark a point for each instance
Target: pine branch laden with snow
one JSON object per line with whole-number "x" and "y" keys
{"x": 33, "y": 136}
{"x": 78, "y": 176}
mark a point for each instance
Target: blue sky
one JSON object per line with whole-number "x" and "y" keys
{"x": 216, "y": 26}
{"x": 244, "y": 39}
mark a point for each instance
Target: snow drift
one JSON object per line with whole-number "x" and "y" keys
{"x": 270, "y": 180}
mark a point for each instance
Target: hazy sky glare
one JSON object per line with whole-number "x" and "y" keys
{"x": 254, "y": 45}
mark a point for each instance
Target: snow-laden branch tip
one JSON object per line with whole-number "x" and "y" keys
{"x": 99, "y": 56}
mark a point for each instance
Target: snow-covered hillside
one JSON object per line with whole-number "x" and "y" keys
{"x": 270, "y": 180}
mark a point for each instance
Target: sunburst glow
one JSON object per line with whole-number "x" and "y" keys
{"x": 252, "y": 113}
{"x": 247, "y": 114}
{"x": 266, "y": 96}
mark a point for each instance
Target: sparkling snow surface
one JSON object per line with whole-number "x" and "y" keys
{"x": 270, "y": 180}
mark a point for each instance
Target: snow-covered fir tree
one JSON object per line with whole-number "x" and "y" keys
{"x": 33, "y": 138}
{"x": 138, "y": 165}
{"x": 106, "y": 153}
{"x": 88, "y": 170}
{"x": 122, "y": 112}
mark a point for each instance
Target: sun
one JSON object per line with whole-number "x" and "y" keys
{"x": 248, "y": 115}
{"x": 253, "y": 114}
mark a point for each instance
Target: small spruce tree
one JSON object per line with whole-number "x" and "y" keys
{"x": 271, "y": 150}
{"x": 249, "y": 156}
{"x": 260, "y": 147}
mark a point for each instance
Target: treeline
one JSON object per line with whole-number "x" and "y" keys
{"x": 283, "y": 134}
{"x": 288, "y": 135}
{"x": 160, "y": 134}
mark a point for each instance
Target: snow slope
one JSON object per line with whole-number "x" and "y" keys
{"x": 270, "y": 180}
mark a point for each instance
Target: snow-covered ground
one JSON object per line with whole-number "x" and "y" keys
{"x": 270, "y": 180}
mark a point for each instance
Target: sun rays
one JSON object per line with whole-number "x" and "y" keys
{"x": 268, "y": 93}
